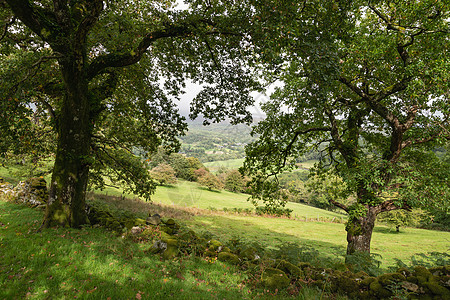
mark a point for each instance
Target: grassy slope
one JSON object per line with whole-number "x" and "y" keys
{"x": 190, "y": 194}
{"x": 270, "y": 232}
{"x": 94, "y": 264}
{"x": 230, "y": 164}
{"x": 328, "y": 238}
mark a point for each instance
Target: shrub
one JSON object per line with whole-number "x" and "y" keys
{"x": 278, "y": 212}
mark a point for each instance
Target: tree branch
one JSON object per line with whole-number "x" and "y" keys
{"x": 287, "y": 151}
{"x": 5, "y": 31}
{"x": 41, "y": 21}
{"x": 389, "y": 205}
{"x": 338, "y": 204}
{"x": 126, "y": 59}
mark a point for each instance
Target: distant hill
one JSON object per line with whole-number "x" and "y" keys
{"x": 214, "y": 142}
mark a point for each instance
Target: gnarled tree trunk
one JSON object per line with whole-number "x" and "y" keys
{"x": 359, "y": 232}
{"x": 66, "y": 204}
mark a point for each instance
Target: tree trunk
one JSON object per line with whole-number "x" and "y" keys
{"x": 359, "y": 232}
{"x": 66, "y": 205}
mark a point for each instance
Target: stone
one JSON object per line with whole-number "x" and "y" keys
{"x": 214, "y": 245}
{"x": 32, "y": 192}
{"x": 172, "y": 249}
{"x": 249, "y": 253}
{"x": 139, "y": 222}
{"x": 379, "y": 290}
{"x": 274, "y": 279}
{"x": 136, "y": 230}
{"x": 390, "y": 278}
{"x": 154, "y": 220}
{"x": 229, "y": 257}
{"x": 289, "y": 268}
{"x": 170, "y": 222}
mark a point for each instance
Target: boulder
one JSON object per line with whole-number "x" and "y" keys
{"x": 136, "y": 230}
{"x": 215, "y": 245}
{"x": 249, "y": 253}
{"x": 229, "y": 257}
{"x": 32, "y": 192}
{"x": 154, "y": 220}
{"x": 274, "y": 279}
{"x": 289, "y": 268}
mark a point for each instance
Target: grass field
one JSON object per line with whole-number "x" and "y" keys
{"x": 190, "y": 194}
{"x": 329, "y": 238}
{"x": 304, "y": 229}
{"x": 91, "y": 263}
{"x": 237, "y": 163}
{"x": 229, "y": 164}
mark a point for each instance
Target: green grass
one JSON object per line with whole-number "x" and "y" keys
{"x": 190, "y": 194}
{"x": 61, "y": 263}
{"x": 91, "y": 263}
{"x": 328, "y": 238}
{"x": 213, "y": 166}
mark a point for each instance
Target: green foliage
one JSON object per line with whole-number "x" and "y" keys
{"x": 358, "y": 92}
{"x": 210, "y": 181}
{"x": 273, "y": 211}
{"x": 105, "y": 77}
{"x": 164, "y": 174}
{"x": 184, "y": 167}
{"x": 401, "y": 218}
{"x": 326, "y": 187}
{"x": 234, "y": 181}
{"x": 366, "y": 262}
{"x": 429, "y": 260}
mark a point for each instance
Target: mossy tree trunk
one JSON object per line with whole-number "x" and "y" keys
{"x": 66, "y": 204}
{"x": 361, "y": 222}
{"x": 359, "y": 232}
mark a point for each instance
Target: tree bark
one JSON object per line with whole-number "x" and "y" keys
{"x": 66, "y": 205}
{"x": 359, "y": 232}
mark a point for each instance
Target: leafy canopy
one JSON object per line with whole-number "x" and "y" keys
{"x": 370, "y": 90}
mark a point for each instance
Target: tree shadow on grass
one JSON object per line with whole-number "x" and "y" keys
{"x": 209, "y": 190}
{"x": 92, "y": 263}
{"x": 386, "y": 230}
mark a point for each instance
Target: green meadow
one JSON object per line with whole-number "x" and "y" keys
{"x": 93, "y": 263}
{"x": 327, "y": 235}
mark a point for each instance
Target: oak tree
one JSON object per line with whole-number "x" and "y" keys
{"x": 106, "y": 75}
{"x": 370, "y": 90}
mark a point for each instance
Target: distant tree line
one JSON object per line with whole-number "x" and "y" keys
{"x": 166, "y": 168}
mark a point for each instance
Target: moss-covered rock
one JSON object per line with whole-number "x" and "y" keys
{"x": 154, "y": 220}
{"x": 249, "y": 253}
{"x": 344, "y": 284}
{"x": 379, "y": 291}
{"x": 229, "y": 257}
{"x": 365, "y": 283}
{"x": 274, "y": 279}
{"x": 172, "y": 248}
{"x": 390, "y": 278}
{"x": 215, "y": 245}
{"x": 139, "y": 222}
{"x": 437, "y": 289}
{"x": 422, "y": 274}
{"x": 32, "y": 192}
{"x": 289, "y": 268}
{"x": 170, "y": 222}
